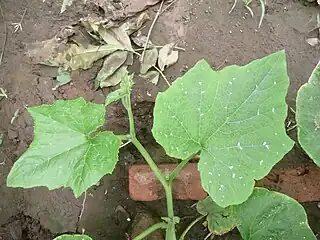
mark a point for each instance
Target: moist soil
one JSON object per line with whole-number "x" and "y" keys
{"x": 206, "y": 30}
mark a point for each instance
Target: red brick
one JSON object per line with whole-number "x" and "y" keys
{"x": 300, "y": 183}
{"x": 144, "y": 186}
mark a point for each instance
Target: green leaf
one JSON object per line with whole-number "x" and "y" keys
{"x": 220, "y": 220}
{"x": 110, "y": 65}
{"x": 73, "y": 237}
{"x": 308, "y": 115}
{"x": 63, "y": 78}
{"x": 64, "y": 152}
{"x": 79, "y": 57}
{"x": 272, "y": 215}
{"x": 235, "y": 117}
{"x": 124, "y": 90}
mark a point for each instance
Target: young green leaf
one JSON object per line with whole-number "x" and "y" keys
{"x": 220, "y": 220}
{"x": 124, "y": 90}
{"x": 272, "y": 215}
{"x": 73, "y": 237}
{"x": 235, "y": 117}
{"x": 63, "y": 77}
{"x": 63, "y": 152}
{"x": 308, "y": 115}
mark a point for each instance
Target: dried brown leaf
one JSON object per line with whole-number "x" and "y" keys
{"x": 313, "y": 41}
{"x": 115, "y": 78}
{"x": 167, "y": 56}
{"x": 150, "y": 59}
{"x": 151, "y": 76}
{"x": 140, "y": 40}
{"x": 116, "y": 37}
{"x": 78, "y": 57}
{"x": 110, "y": 65}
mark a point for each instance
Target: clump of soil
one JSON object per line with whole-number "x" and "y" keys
{"x": 23, "y": 227}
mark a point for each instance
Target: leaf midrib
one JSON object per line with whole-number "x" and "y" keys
{"x": 204, "y": 143}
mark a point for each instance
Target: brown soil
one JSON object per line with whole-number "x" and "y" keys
{"x": 206, "y": 30}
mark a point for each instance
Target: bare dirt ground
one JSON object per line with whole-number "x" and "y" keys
{"x": 206, "y": 30}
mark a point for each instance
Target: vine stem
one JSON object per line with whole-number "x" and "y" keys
{"x": 190, "y": 226}
{"x": 178, "y": 169}
{"x": 150, "y": 230}
{"x": 160, "y": 176}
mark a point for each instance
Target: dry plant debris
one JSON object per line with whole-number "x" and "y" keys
{"x": 80, "y": 45}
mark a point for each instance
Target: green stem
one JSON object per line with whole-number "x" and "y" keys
{"x": 151, "y": 163}
{"x": 189, "y": 227}
{"x": 178, "y": 169}
{"x": 160, "y": 176}
{"x": 150, "y": 230}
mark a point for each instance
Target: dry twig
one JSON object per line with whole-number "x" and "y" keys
{"x": 18, "y": 25}
{"x": 150, "y": 30}
{"x": 5, "y": 36}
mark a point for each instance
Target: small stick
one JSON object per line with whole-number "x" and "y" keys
{"x": 170, "y": 4}
{"x": 233, "y": 6}
{"x": 15, "y": 115}
{"x": 291, "y": 128}
{"x": 5, "y": 36}
{"x": 161, "y": 73}
{"x": 163, "y": 76}
{"x": 263, "y": 11}
{"x": 83, "y": 205}
{"x": 150, "y": 30}
{"x": 174, "y": 48}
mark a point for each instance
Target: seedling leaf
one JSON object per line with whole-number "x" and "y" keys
{"x": 124, "y": 90}
{"x": 235, "y": 117}
{"x": 73, "y": 237}
{"x": 272, "y": 215}
{"x": 308, "y": 115}
{"x": 63, "y": 77}
{"x": 64, "y": 151}
{"x": 220, "y": 220}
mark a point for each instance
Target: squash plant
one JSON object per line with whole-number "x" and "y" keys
{"x": 234, "y": 118}
{"x": 308, "y": 115}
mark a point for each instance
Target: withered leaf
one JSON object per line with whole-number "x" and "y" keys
{"x": 151, "y": 76}
{"x": 167, "y": 56}
{"x": 78, "y": 57}
{"x": 149, "y": 60}
{"x": 110, "y": 65}
{"x": 115, "y": 78}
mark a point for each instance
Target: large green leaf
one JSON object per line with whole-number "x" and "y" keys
{"x": 308, "y": 115}
{"x": 64, "y": 151}
{"x": 220, "y": 220}
{"x": 235, "y": 117}
{"x": 272, "y": 215}
{"x": 73, "y": 237}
